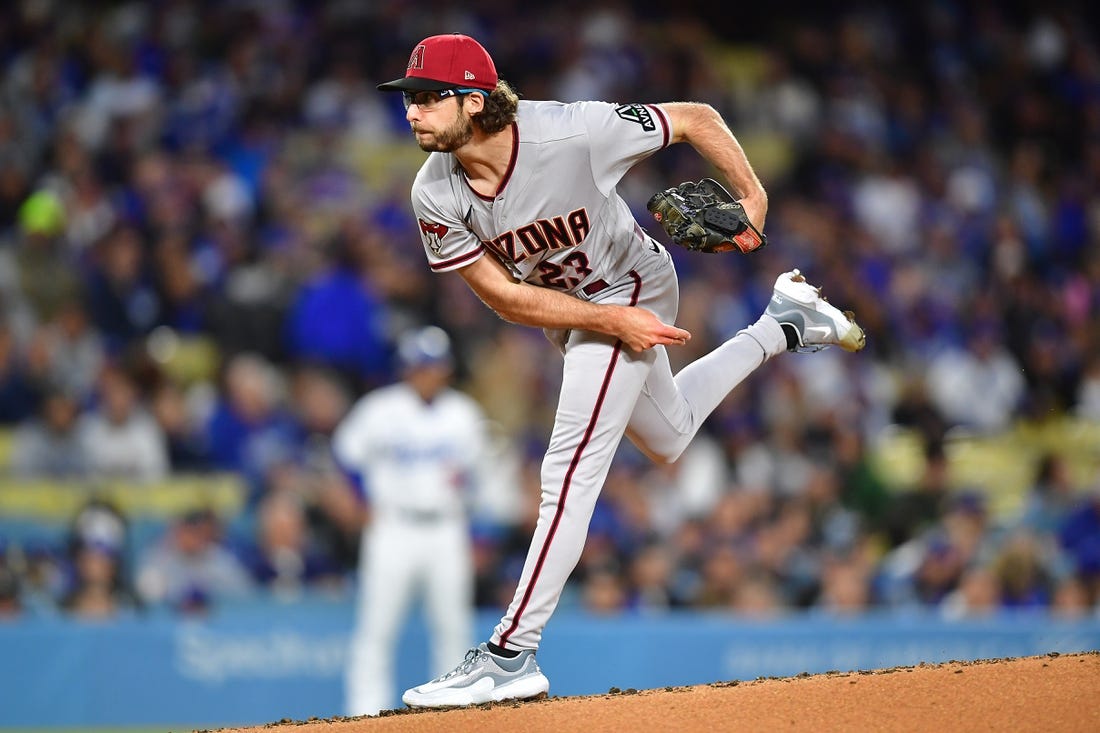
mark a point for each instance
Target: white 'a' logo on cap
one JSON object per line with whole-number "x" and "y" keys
{"x": 469, "y": 75}
{"x": 416, "y": 60}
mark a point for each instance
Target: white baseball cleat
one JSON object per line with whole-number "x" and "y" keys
{"x": 809, "y": 320}
{"x": 482, "y": 677}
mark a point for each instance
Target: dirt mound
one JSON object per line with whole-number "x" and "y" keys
{"x": 1048, "y": 693}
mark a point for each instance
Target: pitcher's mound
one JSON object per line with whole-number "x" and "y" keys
{"x": 1049, "y": 693}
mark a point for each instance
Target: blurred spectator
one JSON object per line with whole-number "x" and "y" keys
{"x": 845, "y": 588}
{"x": 603, "y": 592}
{"x": 19, "y": 146}
{"x": 284, "y": 558}
{"x": 506, "y": 377}
{"x": 784, "y": 547}
{"x": 779, "y": 462}
{"x": 939, "y": 572}
{"x": 342, "y": 99}
{"x": 19, "y": 388}
{"x": 10, "y": 607}
{"x": 1024, "y": 580}
{"x": 121, "y": 439}
{"x": 245, "y": 309}
{"x": 182, "y": 294}
{"x": 43, "y": 572}
{"x": 1088, "y": 391}
{"x": 922, "y": 505}
{"x": 650, "y": 579}
{"x": 89, "y": 211}
{"x": 1051, "y": 496}
{"x": 978, "y": 595}
{"x": 1080, "y": 538}
{"x": 333, "y": 511}
{"x": 966, "y": 525}
{"x": 1071, "y": 599}
{"x": 984, "y": 367}
{"x": 71, "y": 350}
{"x": 886, "y": 202}
{"x": 47, "y": 277}
{"x": 926, "y": 570}
{"x": 98, "y": 581}
{"x": 190, "y": 568}
{"x": 338, "y": 320}
{"x": 53, "y": 444}
{"x": 831, "y": 526}
{"x": 249, "y": 430}
{"x": 722, "y": 571}
{"x": 757, "y": 597}
{"x": 915, "y": 409}
{"x": 319, "y": 401}
{"x": 184, "y": 442}
{"x": 862, "y": 488}
{"x": 225, "y": 196}
{"x": 98, "y": 585}
{"x": 157, "y": 196}
{"x": 100, "y": 522}
{"x": 121, "y": 298}
{"x": 119, "y": 94}
{"x": 690, "y": 487}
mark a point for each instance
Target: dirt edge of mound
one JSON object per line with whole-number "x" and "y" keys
{"x": 339, "y": 724}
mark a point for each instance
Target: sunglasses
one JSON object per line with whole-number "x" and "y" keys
{"x": 428, "y": 100}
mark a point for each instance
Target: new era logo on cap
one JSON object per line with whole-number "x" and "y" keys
{"x": 445, "y": 62}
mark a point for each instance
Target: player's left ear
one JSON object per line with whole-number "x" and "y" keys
{"x": 474, "y": 103}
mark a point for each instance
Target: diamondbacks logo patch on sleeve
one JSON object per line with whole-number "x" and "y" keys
{"x": 637, "y": 113}
{"x": 433, "y": 234}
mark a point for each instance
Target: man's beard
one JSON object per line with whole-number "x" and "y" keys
{"x": 451, "y": 138}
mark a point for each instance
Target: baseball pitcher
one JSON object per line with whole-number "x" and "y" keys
{"x": 519, "y": 198}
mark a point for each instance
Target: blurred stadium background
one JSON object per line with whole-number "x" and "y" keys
{"x": 206, "y": 253}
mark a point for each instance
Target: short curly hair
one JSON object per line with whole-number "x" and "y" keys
{"x": 500, "y": 109}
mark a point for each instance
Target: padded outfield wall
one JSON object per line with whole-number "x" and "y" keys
{"x": 258, "y": 663}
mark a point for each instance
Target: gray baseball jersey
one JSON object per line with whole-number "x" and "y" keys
{"x": 556, "y": 221}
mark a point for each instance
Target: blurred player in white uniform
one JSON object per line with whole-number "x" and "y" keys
{"x": 417, "y": 446}
{"x": 519, "y": 198}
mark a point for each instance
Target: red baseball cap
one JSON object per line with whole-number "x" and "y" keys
{"x": 451, "y": 61}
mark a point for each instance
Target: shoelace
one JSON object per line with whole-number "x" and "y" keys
{"x": 464, "y": 666}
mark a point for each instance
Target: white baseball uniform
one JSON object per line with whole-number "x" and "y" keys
{"x": 418, "y": 462}
{"x": 558, "y": 222}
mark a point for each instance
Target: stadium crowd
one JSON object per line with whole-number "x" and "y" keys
{"x": 206, "y": 254}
